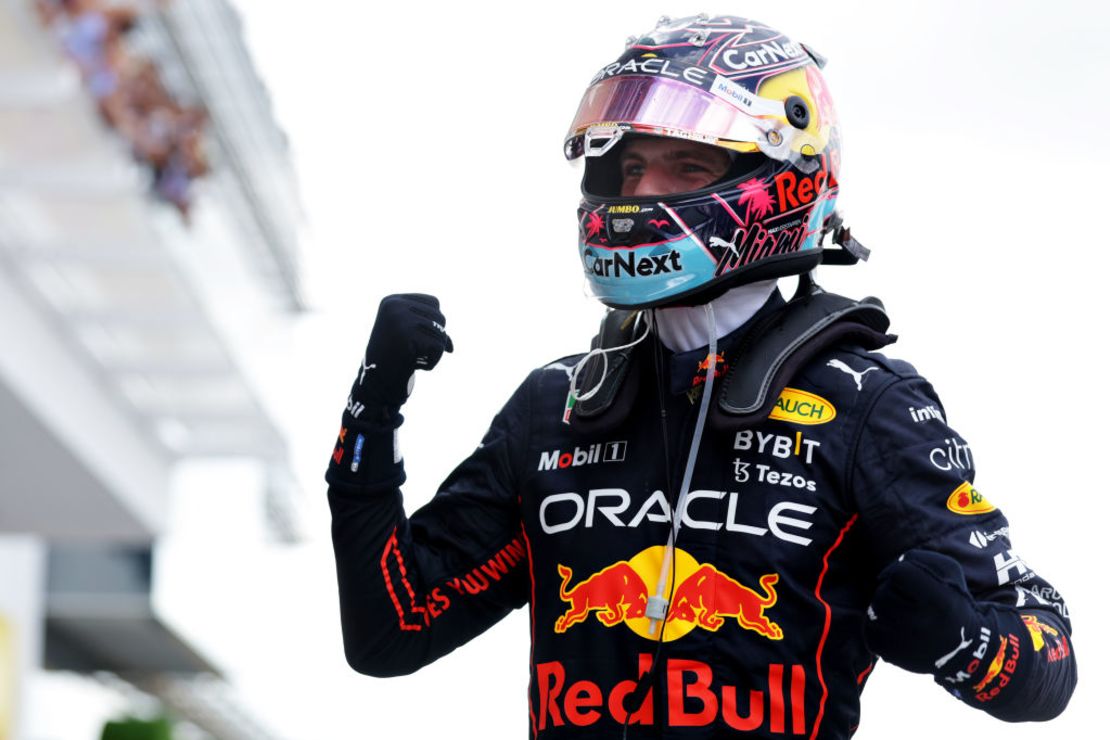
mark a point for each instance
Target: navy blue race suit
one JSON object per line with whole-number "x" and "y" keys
{"x": 785, "y": 529}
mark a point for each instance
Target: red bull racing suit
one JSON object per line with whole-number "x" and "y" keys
{"x": 784, "y": 530}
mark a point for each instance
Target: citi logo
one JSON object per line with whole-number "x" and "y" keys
{"x": 595, "y": 453}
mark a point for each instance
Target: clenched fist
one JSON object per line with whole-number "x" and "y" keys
{"x": 923, "y": 618}
{"x": 408, "y": 335}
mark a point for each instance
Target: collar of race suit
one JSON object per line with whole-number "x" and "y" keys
{"x": 684, "y": 328}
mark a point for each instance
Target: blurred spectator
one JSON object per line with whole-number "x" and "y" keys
{"x": 129, "y": 93}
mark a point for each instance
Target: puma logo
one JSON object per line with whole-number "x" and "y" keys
{"x": 716, "y": 241}
{"x": 365, "y": 367}
{"x": 560, "y": 366}
{"x": 858, "y": 377}
{"x": 963, "y": 643}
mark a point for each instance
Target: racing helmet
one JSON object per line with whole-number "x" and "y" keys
{"x": 727, "y": 82}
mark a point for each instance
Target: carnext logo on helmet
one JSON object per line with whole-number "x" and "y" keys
{"x": 768, "y": 54}
{"x": 599, "y": 452}
{"x": 627, "y": 263}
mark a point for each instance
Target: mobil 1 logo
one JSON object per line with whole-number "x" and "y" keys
{"x": 599, "y": 452}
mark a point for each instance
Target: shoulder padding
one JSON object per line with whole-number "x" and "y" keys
{"x": 766, "y": 359}
{"x": 617, "y": 329}
{"x": 774, "y": 350}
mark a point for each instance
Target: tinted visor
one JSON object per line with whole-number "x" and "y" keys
{"x": 669, "y": 107}
{"x": 603, "y": 176}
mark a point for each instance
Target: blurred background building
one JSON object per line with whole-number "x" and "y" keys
{"x": 148, "y": 242}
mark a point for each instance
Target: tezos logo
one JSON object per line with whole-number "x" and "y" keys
{"x": 800, "y": 407}
{"x": 599, "y": 452}
{"x": 966, "y": 500}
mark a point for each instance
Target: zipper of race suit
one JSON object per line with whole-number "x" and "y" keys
{"x": 657, "y": 605}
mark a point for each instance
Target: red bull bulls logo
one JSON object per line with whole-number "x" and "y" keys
{"x": 615, "y": 593}
{"x": 995, "y": 668}
{"x": 1001, "y": 669}
{"x": 719, "y": 369}
{"x": 708, "y": 596}
{"x": 702, "y": 597}
{"x": 1038, "y": 630}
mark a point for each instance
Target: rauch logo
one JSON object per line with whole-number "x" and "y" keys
{"x": 966, "y": 500}
{"x": 801, "y": 407}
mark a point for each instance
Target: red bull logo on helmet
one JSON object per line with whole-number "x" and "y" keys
{"x": 703, "y": 597}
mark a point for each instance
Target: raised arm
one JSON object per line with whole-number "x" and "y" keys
{"x": 413, "y": 589}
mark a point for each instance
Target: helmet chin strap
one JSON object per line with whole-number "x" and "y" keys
{"x": 657, "y": 605}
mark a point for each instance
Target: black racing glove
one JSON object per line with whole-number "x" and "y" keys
{"x": 923, "y": 618}
{"x": 408, "y": 335}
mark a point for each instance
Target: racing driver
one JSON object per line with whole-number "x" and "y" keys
{"x": 727, "y": 510}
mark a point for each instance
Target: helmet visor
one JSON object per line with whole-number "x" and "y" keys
{"x": 725, "y": 112}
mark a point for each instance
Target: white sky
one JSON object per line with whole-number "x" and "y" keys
{"x": 428, "y": 143}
